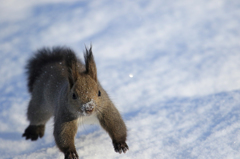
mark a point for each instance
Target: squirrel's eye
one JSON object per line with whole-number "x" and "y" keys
{"x": 99, "y": 93}
{"x": 74, "y": 96}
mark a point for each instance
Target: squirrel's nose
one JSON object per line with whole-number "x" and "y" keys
{"x": 90, "y": 108}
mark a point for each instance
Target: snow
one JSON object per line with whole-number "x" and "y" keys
{"x": 89, "y": 106}
{"x": 183, "y": 99}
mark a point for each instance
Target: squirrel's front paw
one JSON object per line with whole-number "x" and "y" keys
{"x": 120, "y": 147}
{"x": 34, "y": 131}
{"x": 71, "y": 155}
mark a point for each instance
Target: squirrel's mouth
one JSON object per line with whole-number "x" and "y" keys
{"x": 88, "y": 108}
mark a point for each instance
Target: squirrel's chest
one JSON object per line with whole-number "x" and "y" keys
{"x": 92, "y": 119}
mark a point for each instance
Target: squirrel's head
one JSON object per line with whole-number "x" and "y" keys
{"x": 84, "y": 92}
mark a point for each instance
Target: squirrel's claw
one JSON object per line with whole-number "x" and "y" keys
{"x": 120, "y": 147}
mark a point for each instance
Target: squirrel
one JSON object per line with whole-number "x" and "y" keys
{"x": 62, "y": 86}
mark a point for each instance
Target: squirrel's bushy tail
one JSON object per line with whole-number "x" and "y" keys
{"x": 44, "y": 57}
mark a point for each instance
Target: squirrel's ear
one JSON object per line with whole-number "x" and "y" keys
{"x": 91, "y": 68}
{"x": 71, "y": 63}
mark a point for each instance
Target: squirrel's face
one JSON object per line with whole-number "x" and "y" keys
{"x": 84, "y": 95}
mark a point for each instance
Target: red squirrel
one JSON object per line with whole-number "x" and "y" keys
{"x": 63, "y": 87}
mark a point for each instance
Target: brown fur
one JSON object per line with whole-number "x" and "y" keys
{"x": 61, "y": 86}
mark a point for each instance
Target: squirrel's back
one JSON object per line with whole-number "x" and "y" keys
{"x": 46, "y": 56}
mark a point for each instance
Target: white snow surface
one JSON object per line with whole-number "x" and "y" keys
{"x": 184, "y": 99}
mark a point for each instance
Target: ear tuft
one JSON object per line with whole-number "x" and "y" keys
{"x": 71, "y": 63}
{"x": 91, "y": 68}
